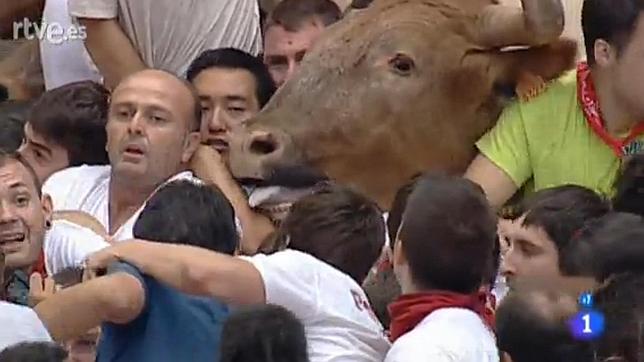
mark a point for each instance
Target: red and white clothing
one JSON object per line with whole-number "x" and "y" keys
{"x": 337, "y": 316}
{"x": 446, "y": 335}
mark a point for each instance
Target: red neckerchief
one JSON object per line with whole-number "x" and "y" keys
{"x": 592, "y": 112}
{"x": 410, "y": 309}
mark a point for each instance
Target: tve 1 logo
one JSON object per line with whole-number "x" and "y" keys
{"x": 587, "y": 324}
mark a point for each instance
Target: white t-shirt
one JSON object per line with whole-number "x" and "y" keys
{"x": 446, "y": 335}
{"x": 170, "y": 34}
{"x": 340, "y": 325}
{"x": 68, "y": 245}
{"x": 86, "y": 188}
{"x": 20, "y": 324}
{"x": 67, "y": 61}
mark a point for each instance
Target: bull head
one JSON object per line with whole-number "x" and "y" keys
{"x": 400, "y": 88}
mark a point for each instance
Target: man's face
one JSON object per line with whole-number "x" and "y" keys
{"x": 228, "y": 97}
{"x": 627, "y": 73}
{"x": 284, "y": 50}
{"x": 44, "y": 156}
{"x": 530, "y": 252}
{"x": 22, "y": 216}
{"x": 150, "y": 126}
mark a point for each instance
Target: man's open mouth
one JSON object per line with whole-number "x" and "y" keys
{"x": 10, "y": 242}
{"x": 134, "y": 150}
{"x": 218, "y": 144}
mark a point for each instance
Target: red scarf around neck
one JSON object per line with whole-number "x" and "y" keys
{"x": 410, "y": 309}
{"x": 592, "y": 112}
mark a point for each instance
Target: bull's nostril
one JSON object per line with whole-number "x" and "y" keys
{"x": 263, "y": 145}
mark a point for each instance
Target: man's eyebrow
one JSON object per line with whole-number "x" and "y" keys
{"x": 18, "y": 185}
{"x": 235, "y": 98}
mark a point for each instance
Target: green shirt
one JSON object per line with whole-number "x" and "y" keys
{"x": 548, "y": 141}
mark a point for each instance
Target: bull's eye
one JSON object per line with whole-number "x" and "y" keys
{"x": 402, "y": 64}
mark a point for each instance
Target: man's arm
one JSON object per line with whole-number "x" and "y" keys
{"x": 189, "y": 269}
{"x": 498, "y": 186}
{"x": 116, "y": 298}
{"x": 103, "y": 37}
{"x": 210, "y": 167}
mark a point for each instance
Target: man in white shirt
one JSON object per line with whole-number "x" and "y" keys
{"x": 163, "y": 34}
{"x": 442, "y": 256}
{"x": 26, "y": 219}
{"x": 334, "y": 237}
{"x": 152, "y": 132}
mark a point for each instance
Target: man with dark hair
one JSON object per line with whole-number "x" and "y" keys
{"x": 34, "y": 352}
{"x": 66, "y": 128}
{"x": 291, "y": 30}
{"x": 265, "y": 333}
{"x": 13, "y": 115}
{"x": 152, "y": 133}
{"x": 546, "y": 225}
{"x": 31, "y": 237}
{"x": 441, "y": 257}
{"x": 593, "y": 114}
{"x": 232, "y": 86}
{"x": 334, "y": 237}
{"x": 143, "y": 319}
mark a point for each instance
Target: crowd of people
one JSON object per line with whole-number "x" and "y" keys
{"x": 124, "y": 235}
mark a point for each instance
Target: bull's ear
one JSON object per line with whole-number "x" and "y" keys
{"x": 545, "y": 62}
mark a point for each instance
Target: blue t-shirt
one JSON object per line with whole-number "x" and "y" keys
{"x": 171, "y": 327}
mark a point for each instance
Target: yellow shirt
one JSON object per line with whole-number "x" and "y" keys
{"x": 547, "y": 140}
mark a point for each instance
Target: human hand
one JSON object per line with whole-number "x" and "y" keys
{"x": 208, "y": 164}
{"x": 40, "y": 289}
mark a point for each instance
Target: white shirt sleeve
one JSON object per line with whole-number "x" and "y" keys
{"x": 94, "y": 9}
{"x": 67, "y": 245}
{"x": 20, "y": 324}
{"x": 290, "y": 280}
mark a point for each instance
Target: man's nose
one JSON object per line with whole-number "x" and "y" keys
{"x": 137, "y": 123}
{"x": 508, "y": 265}
{"x": 7, "y": 213}
{"x": 218, "y": 122}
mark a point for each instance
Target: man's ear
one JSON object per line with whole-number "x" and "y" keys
{"x": 604, "y": 53}
{"x": 47, "y": 208}
{"x": 399, "y": 257}
{"x": 193, "y": 140}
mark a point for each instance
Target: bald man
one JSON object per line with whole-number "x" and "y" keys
{"x": 152, "y": 132}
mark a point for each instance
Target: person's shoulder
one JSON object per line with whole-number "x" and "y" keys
{"x": 75, "y": 175}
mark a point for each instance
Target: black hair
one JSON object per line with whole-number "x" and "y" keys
{"x": 13, "y": 115}
{"x": 529, "y": 334}
{"x": 184, "y": 212}
{"x": 562, "y": 212}
{"x": 620, "y": 301}
{"x": 34, "y": 352}
{"x": 629, "y": 195}
{"x": 230, "y": 58}
{"x": 448, "y": 233}
{"x": 267, "y": 333}
{"x": 609, "y": 245}
{"x": 74, "y": 117}
{"x": 611, "y": 20}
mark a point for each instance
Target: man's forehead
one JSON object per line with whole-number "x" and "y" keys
{"x": 14, "y": 173}
{"x": 277, "y": 36}
{"x": 224, "y": 82}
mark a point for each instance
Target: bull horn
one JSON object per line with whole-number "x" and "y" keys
{"x": 538, "y": 22}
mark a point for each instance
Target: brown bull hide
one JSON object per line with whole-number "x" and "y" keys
{"x": 399, "y": 88}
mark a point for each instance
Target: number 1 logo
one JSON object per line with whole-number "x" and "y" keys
{"x": 587, "y": 325}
